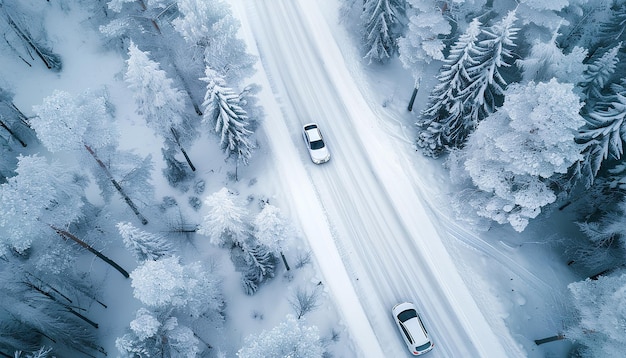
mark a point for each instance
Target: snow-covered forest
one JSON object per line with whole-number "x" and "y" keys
{"x": 110, "y": 250}
{"x": 84, "y": 220}
{"x": 526, "y": 112}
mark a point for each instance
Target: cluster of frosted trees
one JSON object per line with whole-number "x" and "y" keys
{"x": 185, "y": 69}
{"x": 528, "y": 112}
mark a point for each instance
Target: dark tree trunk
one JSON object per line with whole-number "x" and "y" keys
{"x": 177, "y": 140}
{"x": 3, "y": 125}
{"x": 67, "y": 307}
{"x": 52, "y": 61}
{"x": 284, "y": 261}
{"x": 558, "y": 337}
{"x": 414, "y": 94}
{"x": 412, "y": 101}
{"x": 67, "y": 235}
{"x": 195, "y": 105}
{"x": 117, "y": 186}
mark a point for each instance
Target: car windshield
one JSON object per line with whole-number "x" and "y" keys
{"x": 407, "y": 315}
{"x": 318, "y": 144}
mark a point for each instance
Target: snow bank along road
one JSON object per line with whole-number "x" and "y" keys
{"x": 374, "y": 219}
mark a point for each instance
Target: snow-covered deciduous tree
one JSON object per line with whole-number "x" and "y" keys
{"x": 157, "y": 335}
{"x": 226, "y": 221}
{"x": 40, "y": 195}
{"x": 601, "y": 306}
{"x": 514, "y": 151}
{"x": 158, "y": 101}
{"x": 291, "y": 338}
{"x": 224, "y": 113}
{"x": 271, "y": 229}
{"x": 546, "y": 61}
{"x": 22, "y": 38}
{"x": 383, "y": 26}
{"x": 423, "y": 41}
{"x": 210, "y": 26}
{"x": 68, "y": 123}
{"x": 144, "y": 245}
{"x": 166, "y": 283}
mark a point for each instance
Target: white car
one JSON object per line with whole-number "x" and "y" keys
{"x": 315, "y": 143}
{"x": 411, "y": 328}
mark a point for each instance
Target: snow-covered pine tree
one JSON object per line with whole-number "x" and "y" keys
{"x": 291, "y": 338}
{"x": 446, "y": 101}
{"x": 598, "y": 74}
{"x": 224, "y": 113}
{"x": 383, "y": 26}
{"x": 515, "y": 151}
{"x": 144, "y": 245}
{"x": 601, "y": 316}
{"x": 487, "y": 85}
{"x": 603, "y": 134}
{"x": 225, "y": 222}
{"x": 260, "y": 266}
{"x": 422, "y": 42}
{"x": 470, "y": 86}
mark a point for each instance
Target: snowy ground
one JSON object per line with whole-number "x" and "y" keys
{"x": 377, "y": 216}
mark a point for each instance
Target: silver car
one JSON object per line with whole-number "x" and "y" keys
{"x": 315, "y": 143}
{"x": 411, "y": 328}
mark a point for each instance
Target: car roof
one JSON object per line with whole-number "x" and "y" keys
{"x": 413, "y": 325}
{"x": 313, "y": 132}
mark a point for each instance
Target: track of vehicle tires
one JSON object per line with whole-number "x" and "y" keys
{"x": 386, "y": 240}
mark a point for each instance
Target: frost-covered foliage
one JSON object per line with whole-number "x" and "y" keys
{"x": 546, "y": 61}
{"x": 66, "y": 122}
{"x": 271, "y": 229}
{"x": 470, "y": 86}
{"x": 259, "y": 265}
{"x": 599, "y": 72}
{"x": 210, "y": 26}
{"x": 601, "y": 306}
{"x": 166, "y": 283}
{"x": 30, "y": 304}
{"x": 226, "y": 220}
{"x": 223, "y": 112}
{"x": 383, "y": 25}
{"x": 24, "y": 36}
{"x": 513, "y": 152}
{"x": 549, "y": 14}
{"x": 290, "y": 339}
{"x": 157, "y": 100}
{"x": 157, "y": 335}
{"x": 603, "y": 132}
{"x": 144, "y": 245}
{"x": 40, "y": 195}
{"x": 423, "y": 42}
{"x": 606, "y": 246}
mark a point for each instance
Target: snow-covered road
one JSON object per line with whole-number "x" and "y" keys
{"x": 361, "y": 211}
